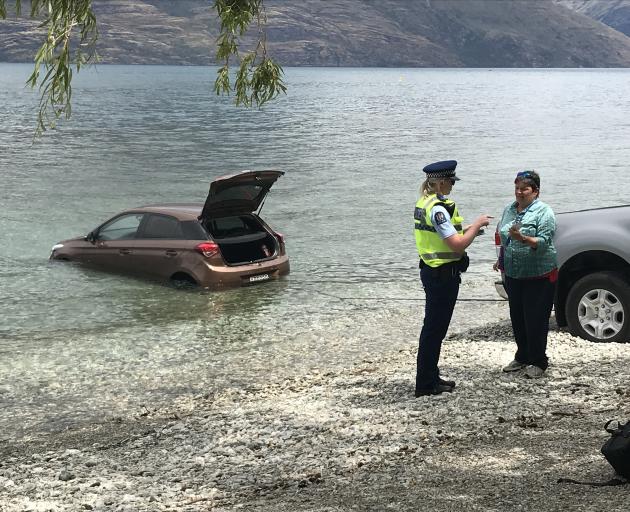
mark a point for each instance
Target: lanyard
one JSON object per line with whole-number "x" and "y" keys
{"x": 519, "y": 216}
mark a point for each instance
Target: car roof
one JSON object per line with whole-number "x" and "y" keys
{"x": 597, "y": 209}
{"x": 181, "y": 211}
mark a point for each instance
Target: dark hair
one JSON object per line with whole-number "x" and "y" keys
{"x": 530, "y": 178}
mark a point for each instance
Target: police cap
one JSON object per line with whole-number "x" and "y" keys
{"x": 443, "y": 169}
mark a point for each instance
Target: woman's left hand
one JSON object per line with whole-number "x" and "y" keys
{"x": 528, "y": 240}
{"x": 515, "y": 234}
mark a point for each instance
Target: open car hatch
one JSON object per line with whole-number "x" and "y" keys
{"x": 238, "y": 193}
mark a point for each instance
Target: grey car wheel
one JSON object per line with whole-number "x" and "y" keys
{"x": 600, "y": 313}
{"x": 598, "y": 306}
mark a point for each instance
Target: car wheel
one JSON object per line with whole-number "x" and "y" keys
{"x": 598, "y": 307}
{"x": 182, "y": 280}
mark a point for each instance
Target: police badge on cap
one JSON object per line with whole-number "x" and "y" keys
{"x": 444, "y": 169}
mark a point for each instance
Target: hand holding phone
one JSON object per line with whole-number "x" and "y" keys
{"x": 515, "y": 231}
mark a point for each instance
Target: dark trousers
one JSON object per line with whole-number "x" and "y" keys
{"x": 441, "y": 291}
{"x": 530, "y": 306}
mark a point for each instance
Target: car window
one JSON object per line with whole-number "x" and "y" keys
{"x": 247, "y": 191}
{"x": 124, "y": 227}
{"x": 192, "y": 230}
{"x": 161, "y": 226}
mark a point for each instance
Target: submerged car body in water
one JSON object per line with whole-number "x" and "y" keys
{"x": 593, "y": 293}
{"x": 220, "y": 243}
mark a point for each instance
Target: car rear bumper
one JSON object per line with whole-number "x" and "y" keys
{"x": 218, "y": 276}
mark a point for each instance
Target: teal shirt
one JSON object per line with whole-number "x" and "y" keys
{"x": 519, "y": 259}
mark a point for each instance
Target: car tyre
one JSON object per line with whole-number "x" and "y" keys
{"x": 598, "y": 307}
{"x": 182, "y": 280}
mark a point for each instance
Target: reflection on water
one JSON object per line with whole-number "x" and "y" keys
{"x": 78, "y": 344}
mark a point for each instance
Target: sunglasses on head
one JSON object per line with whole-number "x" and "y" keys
{"x": 524, "y": 174}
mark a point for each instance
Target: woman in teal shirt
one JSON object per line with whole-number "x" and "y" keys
{"x": 528, "y": 259}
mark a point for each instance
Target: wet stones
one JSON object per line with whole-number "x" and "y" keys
{"x": 324, "y": 432}
{"x": 66, "y": 475}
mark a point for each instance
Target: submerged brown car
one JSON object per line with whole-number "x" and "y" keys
{"x": 220, "y": 243}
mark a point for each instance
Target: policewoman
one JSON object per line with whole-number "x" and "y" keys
{"x": 441, "y": 241}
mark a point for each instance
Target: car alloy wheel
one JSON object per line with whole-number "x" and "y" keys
{"x": 600, "y": 313}
{"x": 598, "y": 306}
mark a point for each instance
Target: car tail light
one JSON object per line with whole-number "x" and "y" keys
{"x": 279, "y": 236}
{"x": 497, "y": 242}
{"x": 207, "y": 249}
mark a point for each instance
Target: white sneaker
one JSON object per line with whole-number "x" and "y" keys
{"x": 514, "y": 366}
{"x": 533, "y": 372}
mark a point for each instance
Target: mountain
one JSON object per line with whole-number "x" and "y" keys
{"x": 390, "y": 33}
{"x": 614, "y": 13}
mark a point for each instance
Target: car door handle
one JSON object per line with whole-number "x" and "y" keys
{"x": 171, "y": 253}
{"x": 124, "y": 251}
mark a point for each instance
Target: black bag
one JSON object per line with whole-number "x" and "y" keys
{"x": 617, "y": 448}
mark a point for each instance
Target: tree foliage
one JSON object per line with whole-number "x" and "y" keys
{"x": 62, "y": 19}
{"x": 70, "y": 43}
{"x": 259, "y": 78}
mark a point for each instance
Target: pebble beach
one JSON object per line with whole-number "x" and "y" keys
{"x": 353, "y": 438}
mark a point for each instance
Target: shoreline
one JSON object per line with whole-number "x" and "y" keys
{"x": 352, "y": 439}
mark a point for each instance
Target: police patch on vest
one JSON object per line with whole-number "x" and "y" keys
{"x": 440, "y": 218}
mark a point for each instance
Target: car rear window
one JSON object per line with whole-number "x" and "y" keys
{"x": 247, "y": 191}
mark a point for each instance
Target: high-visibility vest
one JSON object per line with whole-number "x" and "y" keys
{"x": 431, "y": 248}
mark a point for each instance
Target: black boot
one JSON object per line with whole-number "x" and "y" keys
{"x": 449, "y": 383}
{"x": 435, "y": 390}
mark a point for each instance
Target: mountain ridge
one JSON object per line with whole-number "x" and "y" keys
{"x": 614, "y": 13}
{"x": 385, "y": 33}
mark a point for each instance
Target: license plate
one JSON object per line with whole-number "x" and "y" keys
{"x": 261, "y": 277}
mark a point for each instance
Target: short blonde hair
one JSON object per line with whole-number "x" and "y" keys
{"x": 432, "y": 186}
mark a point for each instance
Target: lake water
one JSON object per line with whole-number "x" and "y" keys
{"x": 78, "y": 345}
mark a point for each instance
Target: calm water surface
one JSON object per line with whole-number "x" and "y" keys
{"x": 76, "y": 345}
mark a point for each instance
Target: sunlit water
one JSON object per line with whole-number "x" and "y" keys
{"x": 78, "y": 345}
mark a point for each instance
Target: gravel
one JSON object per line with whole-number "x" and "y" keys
{"x": 352, "y": 438}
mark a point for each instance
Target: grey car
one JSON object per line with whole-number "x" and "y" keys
{"x": 593, "y": 294}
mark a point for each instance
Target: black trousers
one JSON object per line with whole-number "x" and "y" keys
{"x": 531, "y": 301}
{"x": 441, "y": 289}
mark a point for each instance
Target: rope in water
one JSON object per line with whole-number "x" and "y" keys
{"x": 400, "y": 299}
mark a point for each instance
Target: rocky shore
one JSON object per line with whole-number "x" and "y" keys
{"x": 352, "y": 439}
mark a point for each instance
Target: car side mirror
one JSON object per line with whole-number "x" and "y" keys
{"x": 91, "y": 237}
